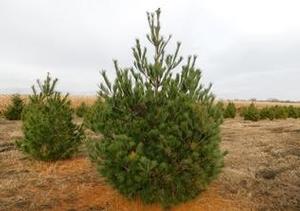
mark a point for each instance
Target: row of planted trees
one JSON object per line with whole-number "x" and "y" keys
{"x": 269, "y": 112}
{"x": 228, "y": 110}
{"x": 254, "y": 113}
{"x": 251, "y": 112}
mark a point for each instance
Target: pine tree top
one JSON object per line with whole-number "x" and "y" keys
{"x": 156, "y": 74}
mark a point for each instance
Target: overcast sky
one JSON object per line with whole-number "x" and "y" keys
{"x": 246, "y": 48}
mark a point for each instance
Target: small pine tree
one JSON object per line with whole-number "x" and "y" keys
{"x": 82, "y": 109}
{"x": 267, "y": 113}
{"x": 160, "y": 133}
{"x": 230, "y": 110}
{"x": 280, "y": 112}
{"x": 292, "y": 112}
{"x": 94, "y": 114}
{"x": 220, "y": 107}
{"x": 251, "y": 113}
{"x": 49, "y": 133}
{"x": 14, "y": 110}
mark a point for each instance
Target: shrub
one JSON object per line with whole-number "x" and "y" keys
{"x": 220, "y": 107}
{"x": 280, "y": 112}
{"x": 14, "y": 110}
{"x": 49, "y": 133}
{"x": 267, "y": 113}
{"x": 230, "y": 111}
{"x": 82, "y": 109}
{"x": 160, "y": 133}
{"x": 94, "y": 115}
{"x": 293, "y": 112}
{"x": 251, "y": 113}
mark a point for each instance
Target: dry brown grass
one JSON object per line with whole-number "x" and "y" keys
{"x": 260, "y": 104}
{"x": 75, "y": 100}
{"x": 262, "y": 172}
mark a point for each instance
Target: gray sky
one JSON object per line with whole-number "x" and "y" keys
{"x": 247, "y": 49}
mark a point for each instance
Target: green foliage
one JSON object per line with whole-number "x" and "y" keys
{"x": 267, "y": 113}
{"x": 49, "y": 133}
{"x": 160, "y": 132}
{"x": 220, "y": 105}
{"x": 230, "y": 110}
{"x": 94, "y": 114}
{"x": 220, "y": 108}
{"x": 14, "y": 110}
{"x": 293, "y": 112}
{"x": 270, "y": 112}
{"x": 280, "y": 112}
{"x": 82, "y": 109}
{"x": 276, "y": 112}
{"x": 251, "y": 113}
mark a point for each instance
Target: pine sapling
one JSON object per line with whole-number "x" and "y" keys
{"x": 49, "y": 131}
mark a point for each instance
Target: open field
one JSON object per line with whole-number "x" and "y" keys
{"x": 76, "y": 100}
{"x": 262, "y": 172}
{"x": 260, "y": 104}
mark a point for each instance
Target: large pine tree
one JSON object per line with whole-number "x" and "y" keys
{"x": 160, "y": 130}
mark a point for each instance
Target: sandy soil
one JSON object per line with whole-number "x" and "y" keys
{"x": 262, "y": 172}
